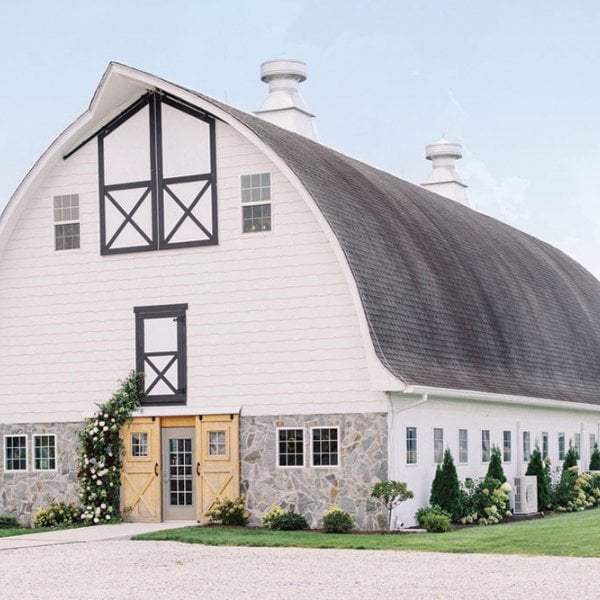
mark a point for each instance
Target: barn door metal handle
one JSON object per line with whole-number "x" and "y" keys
{"x": 198, "y": 468}
{"x": 156, "y": 471}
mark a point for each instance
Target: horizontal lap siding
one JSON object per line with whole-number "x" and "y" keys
{"x": 271, "y": 324}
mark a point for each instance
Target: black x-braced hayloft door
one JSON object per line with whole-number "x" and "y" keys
{"x": 157, "y": 177}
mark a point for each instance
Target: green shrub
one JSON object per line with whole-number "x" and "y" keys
{"x": 485, "y": 502}
{"x": 8, "y": 522}
{"x": 595, "y": 459}
{"x": 229, "y": 512}
{"x": 273, "y": 512}
{"x": 391, "y": 494}
{"x": 495, "y": 470}
{"x": 538, "y": 468}
{"x": 57, "y": 514}
{"x": 336, "y": 520}
{"x": 430, "y": 510}
{"x": 437, "y": 522}
{"x": 289, "y": 521}
{"x": 570, "y": 458}
{"x": 445, "y": 489}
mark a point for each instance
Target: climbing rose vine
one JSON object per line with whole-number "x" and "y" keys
{"x": 101, "y": 453}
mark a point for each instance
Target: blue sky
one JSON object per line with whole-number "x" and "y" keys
{"x": 515, "y": 82}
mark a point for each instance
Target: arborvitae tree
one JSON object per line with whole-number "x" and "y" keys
{"x": 570, "y": 459}
{"x": 445, "y": 489}
{"x": 537, "y": 467}
{"x": 495, "y": 469}
{"x": 595, "y": 459}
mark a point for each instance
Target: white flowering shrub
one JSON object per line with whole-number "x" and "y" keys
{"x": 577, "y": 491}
{"x": 57, "y": 514}
{"x": 101, "y": 453}
{"x": 486, "y": 502}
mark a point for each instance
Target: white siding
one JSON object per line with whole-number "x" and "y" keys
{"x": 271, "y": 324}
{"x": 475, "y": 416}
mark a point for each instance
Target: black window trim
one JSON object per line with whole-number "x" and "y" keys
{"x": 177, "y": 311}
{"x": 157, "y": 184}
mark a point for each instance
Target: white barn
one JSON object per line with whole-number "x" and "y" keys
{"x": 308, "y": 325}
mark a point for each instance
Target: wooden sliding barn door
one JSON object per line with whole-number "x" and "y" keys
{"x": 140, "y": 478}
{"x": 218, "y": 460}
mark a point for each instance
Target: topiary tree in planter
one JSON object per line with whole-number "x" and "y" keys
{"x": 595, "y": 459}
{"x": 391, "y": 494}
{"x": 495, "y": 470}
{"x": 538, "y": 468}
{"x": 445, "y": 489}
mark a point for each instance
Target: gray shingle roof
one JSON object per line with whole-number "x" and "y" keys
{"x": 453, "y": 298}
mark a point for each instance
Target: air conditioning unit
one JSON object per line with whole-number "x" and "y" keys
{"x": 525, "y": 495}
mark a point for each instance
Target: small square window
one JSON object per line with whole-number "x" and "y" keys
{"x": 256, "y": 198}
{"x": 139, "y": 444}
{"x": 217, "y": 443}
{"x": 325, "y": 447}
{"x": 290, "y": 449}
{"x": 44, "y": 452}
{"x": 15, "y": 453}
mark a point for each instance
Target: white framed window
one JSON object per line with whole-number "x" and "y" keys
{"x": 438, "y": 445}
{"x": 526, "y": 446}
{"x": 139, "y": 444}
{"x": 545, "y": 446}
{"x": 592, "y": 442}
{"x": 290, "y": 447}
{"x": 44, "y": 452}
{"x": 256, "y": 202}
{"x": 66, "y": 222}
{"x": 577, "y": 444}
{"x": 15, "y": 453}
{"x": 561, "y": 446}
{"x": 411, "y": 445}
{"x": 485, "y": 445}
{"x": 217, "y": 443}
{"x": 506, "y": 446}
{"x": 324, "y": 442}
{"x": 463, "y": 446}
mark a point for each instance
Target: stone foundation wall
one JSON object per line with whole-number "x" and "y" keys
{"x": 23, "y": 493}
{"x": 310, "y": 491}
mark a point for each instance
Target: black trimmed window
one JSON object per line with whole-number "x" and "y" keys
{"x": 325, "y": 451}
{"x": 15, "y": 453}
{"x": 290, "y": 450}
{"x": 66, "y": 222}
{"x": 44, "y": 452}
{"x": 157, "y": 174}
{"x": 160, "y": 333}
{"x": 256, "y": 202}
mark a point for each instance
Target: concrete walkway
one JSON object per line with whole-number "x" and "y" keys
{"x": 78, "y": 535}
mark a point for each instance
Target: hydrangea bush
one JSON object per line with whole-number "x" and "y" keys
{"x": 101, "y": 453}
{"x": 486, "y": 502}
{"x": 57, "y": 514}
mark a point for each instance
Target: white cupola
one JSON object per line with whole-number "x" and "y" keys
{"x": 444, "y": 179}
{"x": 284, "y": 106}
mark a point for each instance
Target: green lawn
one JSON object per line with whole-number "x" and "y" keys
{"x": 573, "y": 534}
{"x": 20, "y": 531}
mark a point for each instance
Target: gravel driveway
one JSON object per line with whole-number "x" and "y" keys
{"x": 156, "y": 570}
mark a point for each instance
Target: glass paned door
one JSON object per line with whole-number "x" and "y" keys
{"x": 178, "y": 473}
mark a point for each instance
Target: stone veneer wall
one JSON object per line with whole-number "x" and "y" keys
{"x": 23, "y": 493}
{"x": 310, "y": 491}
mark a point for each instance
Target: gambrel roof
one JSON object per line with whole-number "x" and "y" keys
{"x": 452, "y": 298}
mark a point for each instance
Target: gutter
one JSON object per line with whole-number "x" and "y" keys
{"x": 451, "y": 394}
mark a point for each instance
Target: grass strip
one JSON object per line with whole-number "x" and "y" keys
{"x": 572, "y": 534}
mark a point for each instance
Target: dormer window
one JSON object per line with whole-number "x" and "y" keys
{"x": 256, "y": 202}
{"x": 66, "y": 222}
{"x": 157, "y": 178}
